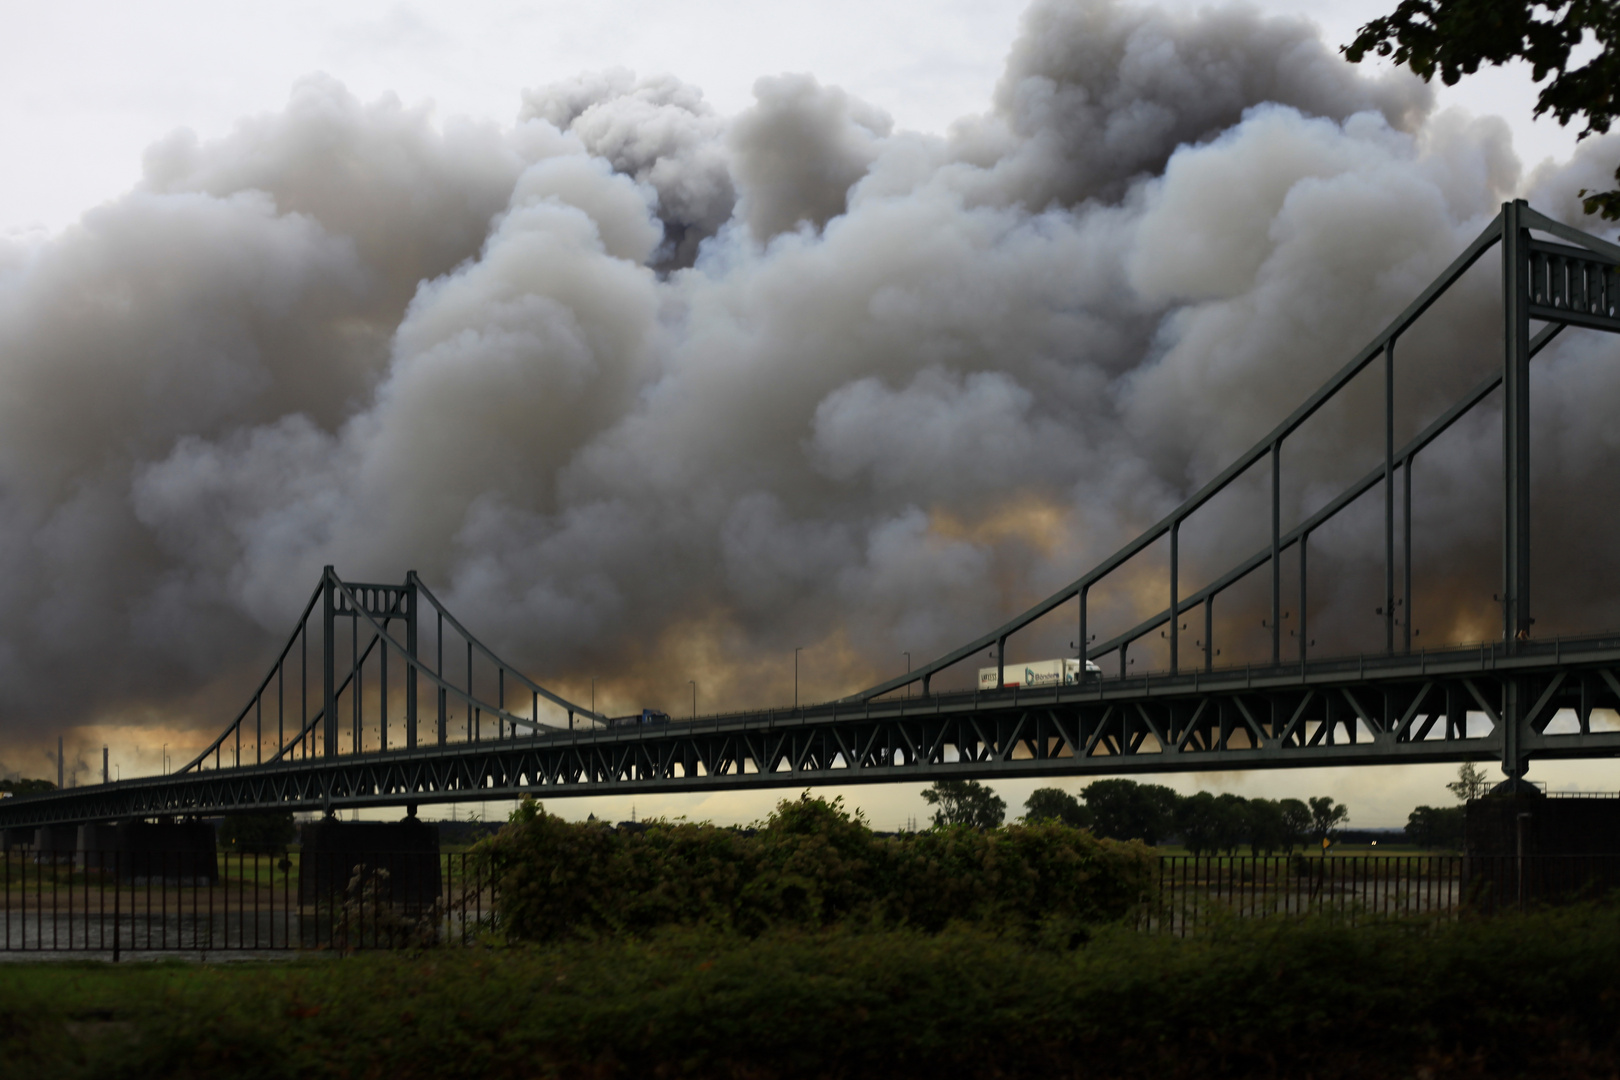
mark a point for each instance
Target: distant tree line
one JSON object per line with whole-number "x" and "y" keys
{"x": 1442, "y": 827}
{"x": 1204, "y": 823}
{"x": 1127, "y": 810}
{"x": 1207, "y": 824}
{"x": 27, "y": 787}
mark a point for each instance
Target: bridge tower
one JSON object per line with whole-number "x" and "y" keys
{"x": 384, "y": 604}
{"x": 1516, "y": 620}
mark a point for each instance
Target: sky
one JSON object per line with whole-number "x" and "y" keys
{"x": 92, "y": 97}
{"x": 85, "y": 88}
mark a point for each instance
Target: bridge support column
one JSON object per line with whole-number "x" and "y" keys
{"x": 1517, "y": 697}
{"x": 410, "y": 650}
{"x": 96, "y": 847}
{"x": 1515, "y": 425}
{"x": 397, "y": 860}
{"x": 56, "y": 843}
{"x": 328, "y": 665}
{"x": 175, "y": 851}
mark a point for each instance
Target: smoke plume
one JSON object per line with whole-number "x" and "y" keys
{"x": 652, "y": 394}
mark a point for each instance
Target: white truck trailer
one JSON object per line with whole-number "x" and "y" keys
{"x": 1039, "y": 673}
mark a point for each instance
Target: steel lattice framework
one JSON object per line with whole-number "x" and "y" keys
{"x": 1515, "y": 699}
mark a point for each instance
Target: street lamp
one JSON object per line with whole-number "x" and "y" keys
{"x": 694, "y": 697}
{"x": 165, "y": 759}
{"x": 796, "y": 652}
{"x": 593, "y": 695}
{"x": 908, "y": 672}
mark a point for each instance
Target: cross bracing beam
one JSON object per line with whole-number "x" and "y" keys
{"x": 1442, "y": 706}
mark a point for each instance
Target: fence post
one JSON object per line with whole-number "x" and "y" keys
{"x": 118, "y": 857}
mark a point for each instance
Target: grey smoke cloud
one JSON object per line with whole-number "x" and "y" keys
{"x": 651, "y": 393}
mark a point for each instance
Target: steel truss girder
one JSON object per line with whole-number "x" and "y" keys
{"x": 1361, "y": 711}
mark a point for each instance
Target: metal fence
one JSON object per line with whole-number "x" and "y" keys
{"x": 1196, "y": 891}
{"x": 119, "y": 903}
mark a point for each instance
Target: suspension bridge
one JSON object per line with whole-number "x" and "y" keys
{"x": 380, "y": 697}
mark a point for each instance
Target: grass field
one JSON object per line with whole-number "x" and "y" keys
{"x": 1535, "y": 995}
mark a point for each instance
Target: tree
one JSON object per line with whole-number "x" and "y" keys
{"x": 1326, "y": 817}
{"x": 1268, "y": 827}
{"x": 965, "y": 802}
{"x": 27, "y": 787}
{"x": 1296, "y": 820}
{"x": 1197, "y": 820}
{"x": 1231, "y": 822}
{"x": 1055, "y": 804}
{"x": 1428, "y": 827}
{"x": 1126, "y": 810}
{"x": 1454, "y": 37}
{"x": 258, "y": 834}
{"x": 1212, "y": 823}
{"x": 1471, "y": 782}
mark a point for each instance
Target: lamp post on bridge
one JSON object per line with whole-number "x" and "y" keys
{"x": 908, "y": 672}
{"x": 693, "y": 684}
{"x": 796, "y": 650}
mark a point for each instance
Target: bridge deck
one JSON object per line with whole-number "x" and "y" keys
{"x": 1363, "y": 710}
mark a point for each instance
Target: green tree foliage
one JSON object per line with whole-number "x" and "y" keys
{"x": 1232, "y": 822}
{"x": 1452, "y": 38}
{"x": 1269, "y": 828}
{"x": 1471, "y": 783}
{"x": 811, "y": 865}
{"x": 1297, "y": 820}
{"x": 1428, "y": 827}
{"x": 1126, "y": 810}
{"x": 257, "y": 834}
{"x": 1210, "y": 824}
{"x": 965, "y": 802}
{"x": 1055, "y": 804}
{"x": 1195, "y": 820}
{"x": 1326, "y": 817}
{"x": 27, "y": 787}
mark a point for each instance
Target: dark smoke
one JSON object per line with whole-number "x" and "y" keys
{"x": 654, "y": 394}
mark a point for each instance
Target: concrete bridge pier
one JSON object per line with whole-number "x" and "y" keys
{"x": 96, "y": 847}
{"x": 385, "y": 862}
{"x": 56, "y": 843}
{"x": 175, "y": 851}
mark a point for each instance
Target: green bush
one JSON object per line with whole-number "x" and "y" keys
{"x": 810, "y": 865}
{"x": 1518, "y": 996}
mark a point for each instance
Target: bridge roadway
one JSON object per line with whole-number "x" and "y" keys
{"x": 1371, "y": 710}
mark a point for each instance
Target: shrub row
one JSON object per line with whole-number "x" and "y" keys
{"x": 1537, "y": 996}
{"x": 810, "y": 865}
